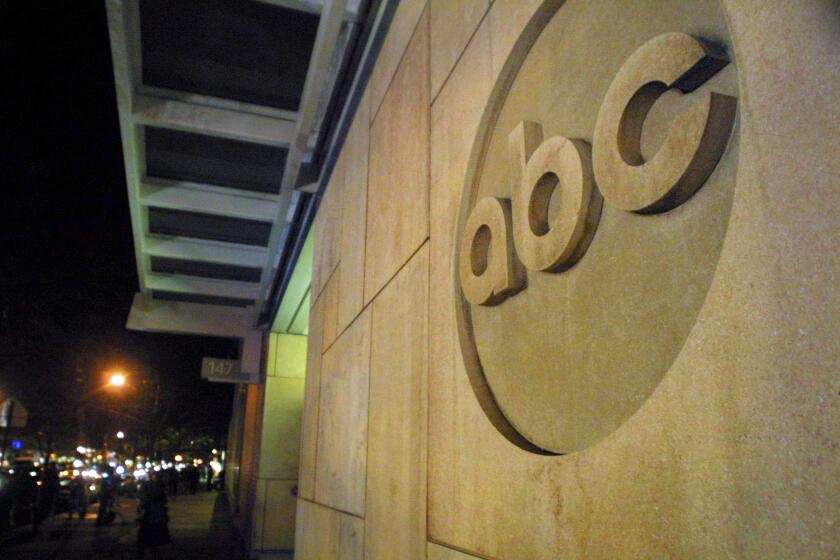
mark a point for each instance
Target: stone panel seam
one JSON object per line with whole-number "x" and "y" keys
{"x": 325, "y": 506}
{"x": 424, "y": 15}
{"x": 375, "y": 113}
{"x": 340, "y": 329}
{"x": 460, "y": 54}
{"x": 324, "y": 348}
{"x": 396, "y": 272}
{"x": 276, "y": 479}
{"x": 317, "y": 296}
{"x": 429, "y": 334}
{"x": 461, "y": 549}
{"x": 317, "y": 405}
{"x": 367, "y": 420}
{"x": 367, "y": 202}
{"x": 428, "y": 243}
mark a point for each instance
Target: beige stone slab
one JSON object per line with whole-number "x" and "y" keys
{"x": 396, "y": 480}
{"x": 316, "y": 532}
{"x": 351, "y": 538}
{"x": 354, "y": 212}
{"x": 401, "y": 30}
{"x": 325, "y": 534}
{"x": 312, "y": 390}
{"x": 438, "y": 552}
{"x": 281, "y": 427}
{"x": 330, "y": 297}
{"x": 317, "y": 282}
{"x": 507, "y": 20}
{"x": 452, "y": 24}
{"x": 343, "y": 424}
{"x": 455, "y": 117}
{"x": 327, "y": 227}
{"x": 398, "y": 186}
{"x": 278, "y": 515}
{"x": 735, "y": 452}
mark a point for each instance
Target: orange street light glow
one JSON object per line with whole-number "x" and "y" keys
{"x": 117, "y": 380}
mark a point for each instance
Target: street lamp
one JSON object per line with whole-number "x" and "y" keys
{"x": 117, "y": 380}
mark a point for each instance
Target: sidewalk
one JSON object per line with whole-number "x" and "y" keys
{"x": 200, "y": 526}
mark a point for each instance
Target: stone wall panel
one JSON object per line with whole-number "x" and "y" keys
{"x": 343, "y": 424}
{"x": 395, "y": 520}
{"x": 398, "y": 187}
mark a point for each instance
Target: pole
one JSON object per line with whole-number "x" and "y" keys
{"x": 157, "y": 398}
{"x": 155, "y": 413}
{"x": 81, "y": 412}
{"x": 49, "y": 447}
{"x": 9, "y": 416}
{"x": 80, "y": 417}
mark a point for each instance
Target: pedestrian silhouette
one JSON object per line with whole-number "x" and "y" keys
{"x": 153, "y": 516}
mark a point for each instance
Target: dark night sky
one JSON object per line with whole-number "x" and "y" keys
{"x": 67, "y": 274}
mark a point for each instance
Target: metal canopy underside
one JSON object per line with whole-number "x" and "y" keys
{"x": 197, "y": 225}
{"x": 220, "y": 105}
{"x": 199, "y": 158}
{"x": 245, "y": 51}
{"x": 203, "y": 269}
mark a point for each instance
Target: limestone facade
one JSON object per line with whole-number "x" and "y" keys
{"x": 690, "y": 354}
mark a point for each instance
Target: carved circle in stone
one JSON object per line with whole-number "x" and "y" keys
{"x": 595, "y": 207}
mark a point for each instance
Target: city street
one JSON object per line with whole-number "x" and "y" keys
{"x": 199, "y": 524}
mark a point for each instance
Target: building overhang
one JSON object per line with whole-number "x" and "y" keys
{"x": 215, "y": 158}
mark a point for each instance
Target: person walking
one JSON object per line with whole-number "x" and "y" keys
{"x": 25, "y": 495}
{"x": 192, "y": 478}
{"x": 46, "y": 496}
{"x": 6, "y": 500}
{"x": 107, "y": 493}
{"x": 76, "y": 501}
{"x": 153, "y": 516}
{"x": 170, "y": 477}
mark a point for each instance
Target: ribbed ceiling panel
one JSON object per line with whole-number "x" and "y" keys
{"x": 181, "y": 223}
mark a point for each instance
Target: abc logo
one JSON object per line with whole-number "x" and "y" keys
{"x": 561, "y": 348}
{"x": 502, "y": 238}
